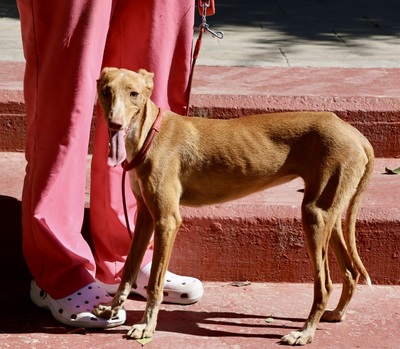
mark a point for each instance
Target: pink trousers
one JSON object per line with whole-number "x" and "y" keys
{"x": 66, "y": 42}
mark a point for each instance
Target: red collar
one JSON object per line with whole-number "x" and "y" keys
{"x": 127, "y": 166}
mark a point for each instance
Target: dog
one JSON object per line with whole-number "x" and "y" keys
{"x": 195, "y": 161}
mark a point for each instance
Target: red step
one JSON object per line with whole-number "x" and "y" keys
{"x": 258, "y": 238}
{"x": 364, "y": 97}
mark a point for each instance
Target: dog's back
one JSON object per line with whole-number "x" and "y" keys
{"x": 236, "y": 157}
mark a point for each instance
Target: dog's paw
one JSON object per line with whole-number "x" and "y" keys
{"x": 140, "y": 331}
{"x": 297, "y": 338}
{"x": 333, "y": 316}
{"x": 105, "y": 311}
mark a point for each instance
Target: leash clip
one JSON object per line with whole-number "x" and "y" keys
{"x": 215, "y": 34}
{"x": 204, "y": 6}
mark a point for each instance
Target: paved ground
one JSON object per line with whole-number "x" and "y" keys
{"x": 280, "y": 33}
{"x": 255, "y": 316}
{"x": 312, "y": 33}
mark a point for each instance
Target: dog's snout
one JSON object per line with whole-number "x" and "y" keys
{"x": 115, "y": 125}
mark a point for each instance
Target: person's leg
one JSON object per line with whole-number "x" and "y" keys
{"x": 157, "y": 36}
{"x": 63, "y": 45}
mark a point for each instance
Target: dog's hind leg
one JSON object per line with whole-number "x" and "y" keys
{"x": 349, "y": 273}
{"x": 323, "y": 202}
{"x": 317, "y": 228}
{"x": 350, "y": 264}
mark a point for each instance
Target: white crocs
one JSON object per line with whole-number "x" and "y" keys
{"x": 177, "y": 289}
{"x": 76, "y": 309}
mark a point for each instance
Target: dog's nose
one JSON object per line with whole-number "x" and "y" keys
{"x": 114, "y": 125}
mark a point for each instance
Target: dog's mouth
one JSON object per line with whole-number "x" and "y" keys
{"x": 117, "y": 152}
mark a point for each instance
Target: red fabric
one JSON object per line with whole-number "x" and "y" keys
{"x": 66, "y": 43}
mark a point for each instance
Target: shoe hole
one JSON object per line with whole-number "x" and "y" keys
{"x": 78, "y": 306}
{"x": 97, "y": 297}
{"x": 93, "y": 318}
{"x": 184, "y": 283}
{"x": 61, "y": 310}
{"x": 74, "y": 317}
{"x": 90, "y": 287}
{"x": 165, "y": 293}
{"x": 79, "y": 293}
{"x": 184, "y": 295}
{"x": 86, "y": 302}
{"x": 168, "y": 280}
{"x": 69, "y": 299}
{"x": 42, "y": 294}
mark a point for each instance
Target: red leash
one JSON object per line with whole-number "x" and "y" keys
{"x": 127, "y": 166}
{"x": 205, "y": 7}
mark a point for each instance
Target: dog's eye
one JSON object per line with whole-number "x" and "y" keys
{"x": 105, "y": 92}
{"x": 134, "y": 94}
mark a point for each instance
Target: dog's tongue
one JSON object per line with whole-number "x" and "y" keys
{"x": 117, "y": 153}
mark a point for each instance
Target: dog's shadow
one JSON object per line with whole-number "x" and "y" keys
{"x": 24, "y": 317}
{"x": 215, "y": 324}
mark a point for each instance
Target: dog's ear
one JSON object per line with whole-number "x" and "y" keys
{"x": 148, "y": 77}
{"x": 104, "y": 72}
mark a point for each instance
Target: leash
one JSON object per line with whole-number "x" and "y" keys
{"x": 127, "y": 166}
{"x": 205, "y": 7}
{"x": 128, "y": 226}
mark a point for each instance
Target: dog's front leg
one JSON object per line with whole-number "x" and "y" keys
{"x": 164, "y": 237}
{"x": 143, "y": 230}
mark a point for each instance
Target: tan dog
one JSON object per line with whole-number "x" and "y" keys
{"x": 196, "y": 161}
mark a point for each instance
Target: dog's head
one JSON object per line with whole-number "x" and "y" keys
{"x": 123, "y": 94}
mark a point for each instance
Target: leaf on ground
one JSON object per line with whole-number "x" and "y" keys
{"x": 269, "y": 319}
{"x": 390, "y": 171}
{"x": 240, "y": 283}
{"x": 79, "y": 330}
{"x": 144, "y": 341}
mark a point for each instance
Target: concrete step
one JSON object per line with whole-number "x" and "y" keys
{"x": 260, "y": 237}
{"x": 215, "y": 242}
{"x": 257, "y": 238}
{"x": 365, "y": 97}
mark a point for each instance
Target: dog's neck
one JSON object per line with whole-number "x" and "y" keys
{"x": 139, "y": 128}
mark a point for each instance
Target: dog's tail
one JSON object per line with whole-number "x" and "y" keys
{"x": 351, "y": 214}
